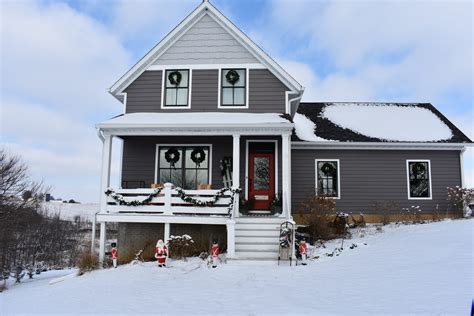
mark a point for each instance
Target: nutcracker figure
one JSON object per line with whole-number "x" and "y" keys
{"x": 214, "y": 253}
{"x": 161, "y": 253}
{"x": 114, "y": 254}
{"x": 303, "y": 248}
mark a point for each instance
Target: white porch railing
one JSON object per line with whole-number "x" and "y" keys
{"x": 168, "y": 202}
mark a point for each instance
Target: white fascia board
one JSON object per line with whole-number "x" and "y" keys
{"x": 378, "y": 145}
{"x": 168, "y": 40}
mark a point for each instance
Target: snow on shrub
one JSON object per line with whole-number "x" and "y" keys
{"x": 460, "y": 198}
{"x": 181, "y": 247}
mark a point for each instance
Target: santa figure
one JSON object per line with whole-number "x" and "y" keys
{"x": 214, "y": 253}
{"x": 161, "y": 253}
{"x": 303, "y": 250}
{"x": 114, "y": 254}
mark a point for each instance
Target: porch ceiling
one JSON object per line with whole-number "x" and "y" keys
{"x": 197, "y": 124}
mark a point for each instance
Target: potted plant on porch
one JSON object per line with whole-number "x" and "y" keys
{"x": 276, "y": 206}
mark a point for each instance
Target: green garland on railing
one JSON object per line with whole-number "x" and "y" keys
{"x": 121, "y": 201}
{"x": 219, "y": 194}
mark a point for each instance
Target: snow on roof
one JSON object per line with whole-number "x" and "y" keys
{"x": 389, "y": 122}
{"x": 305, "y": 128}
{"x": 374, "y": 122}
{"x": 196, "y": 119}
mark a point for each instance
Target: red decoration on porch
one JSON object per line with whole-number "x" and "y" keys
{"x": 215, "y": 252}
{"x": 161, "y": 253}
{"x": 303, "y": 249}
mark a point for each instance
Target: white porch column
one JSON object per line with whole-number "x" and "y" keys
{"x": 286, "y": 175}
{"x": 236, "y": 170}
{"x": 105, "y": 173}
{"x": 230, "y": 224}
{"x": 102, "y": 242}
{"x": 167, "y": 232}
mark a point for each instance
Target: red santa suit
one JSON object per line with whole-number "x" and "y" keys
{"x": 114, "y": 253}
{"x": 303, "y": 249}
{"x": 161, "y": 253}
{"x": 214, "y": 253}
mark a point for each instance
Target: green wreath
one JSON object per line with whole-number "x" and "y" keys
{"x": 172, "y": 156}
{"x": 419, "y": 169}
{"x": 198, "y": 155}
{"x": 327, "y": 169}
{"x": 175, "y": 78}
{"x": 232, "y": 77}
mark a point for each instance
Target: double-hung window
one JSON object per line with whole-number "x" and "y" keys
{"x": 183, "y": 166}
{"x": 176, "y": 88}
{"x": 233, "y": 87}
{"x": 419, "y": 179}
{"x": 327, "y": 178}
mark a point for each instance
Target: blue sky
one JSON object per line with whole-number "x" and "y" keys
{"x": 58, "y": 58}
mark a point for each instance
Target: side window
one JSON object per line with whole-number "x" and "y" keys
{"x": 419, "y": 179}
{"x": 327, "y": 178}
{"x": 176, "y": 88}
{"x": 233, "y": 87}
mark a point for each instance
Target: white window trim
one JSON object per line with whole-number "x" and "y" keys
{"x": 408, "y": 179}
{"x": 338, "y": 197}
{"x": 157, "y": 152}
{"x": 163, "y": 91}
{"x": 275, "y": 141}
{"x": 219, "y": 89}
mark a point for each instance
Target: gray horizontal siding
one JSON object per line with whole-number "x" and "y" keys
{"x": 139, "y": 153}
{"x": 375, "y": 176}
{"x": 266, "y": 93}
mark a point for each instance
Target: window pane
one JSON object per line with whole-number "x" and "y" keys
{"x": 165, "y": 176}
{"x": 261, "y": 173}
{"x": 202, "y": 177}
{"x": 177, "y": 177}
{"x": 241, "y": 82}
{"x": 182, "y": 97}
{"x": 419, "y": 179}
{"x": 191, "y": 164}
{"x": 190, "y": 183}
{"x": 164, "y": 163}
{"x": 327, "y": 178}
{"x": 184, "y": 78}
{"x": 239, "y": 96}
{"x": 171, "y": 96}
{"x": 227, "y": 96}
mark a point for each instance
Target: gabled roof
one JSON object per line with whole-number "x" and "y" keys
{"x": 205, "y": 8}
{"x": 374, "y": 122}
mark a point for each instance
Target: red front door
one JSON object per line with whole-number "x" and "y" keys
{"x": 261, "y": 179}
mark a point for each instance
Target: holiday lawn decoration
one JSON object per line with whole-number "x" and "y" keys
{"x": 161, "y": 252}
{"x": 174, "y": 78}
{"x": 226, "y": 171}
{"x": 198, "y": 156}
{"x": 232, "y": 77}
{"x": 114, "y": 254}
{"x": 285, "y": 251}
{"x": 214, "y": 252}
{"x": 212, "y": 201}
{"x": 172, "y": 156}
{"x": 121, "y": 200}
{"x": 303, "y": 249}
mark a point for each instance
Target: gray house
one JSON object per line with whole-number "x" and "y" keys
{"x": 216, "y": 143}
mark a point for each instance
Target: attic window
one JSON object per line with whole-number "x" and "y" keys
{"x": 233, "y": 87}
{"x": 176, "y": 88}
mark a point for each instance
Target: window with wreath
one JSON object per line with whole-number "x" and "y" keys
{"x": 419, "y": 179}
{"x": 176, "y": 88}
{"x": 233, "y": 85}
{"x": 327, "y": 182}
{"x": 186, "y": 167}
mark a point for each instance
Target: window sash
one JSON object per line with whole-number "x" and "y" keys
{"x": 419, "y": 181}
{"x": 237, "y": 92}
{"x": 187, "y": 174}
{"x": 174, "y": 93}
{"x": 327, "y": 184}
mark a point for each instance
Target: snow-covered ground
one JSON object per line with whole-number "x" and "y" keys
{"x": 415, "y": 269}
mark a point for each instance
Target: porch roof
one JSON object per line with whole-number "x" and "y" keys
{"x": 220, "y": 123}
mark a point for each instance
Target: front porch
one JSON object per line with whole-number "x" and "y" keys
{"x": 147, "y": 175}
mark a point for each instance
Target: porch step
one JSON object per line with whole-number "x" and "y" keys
{"x": 243, "y": 247}
{"x": 257, "y": 238}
